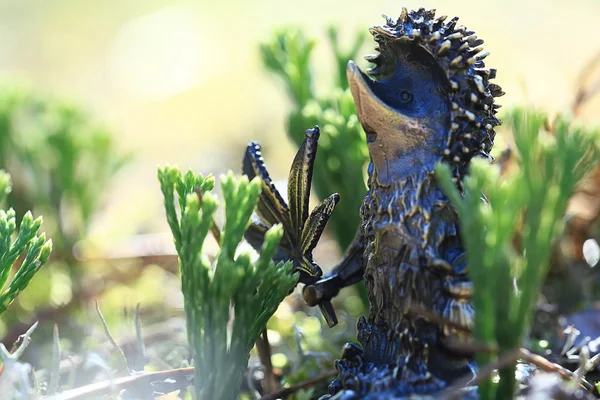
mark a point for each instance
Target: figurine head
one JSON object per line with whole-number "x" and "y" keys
{"x": 428, "y": 97}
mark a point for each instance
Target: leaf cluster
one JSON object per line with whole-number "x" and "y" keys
{"x": 229, "y": 299}
{"x": 23, "y": 244}
{"x": 61, "y": 159}
{"x": 509, "y": 237}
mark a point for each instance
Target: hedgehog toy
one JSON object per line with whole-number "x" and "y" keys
{"x": 427, "y": 99}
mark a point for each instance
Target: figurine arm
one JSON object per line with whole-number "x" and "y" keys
{"x": 348, "y": 271}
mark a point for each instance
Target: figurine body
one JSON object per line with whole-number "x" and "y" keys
{"x": 412, "y": 258}
{"x": 428, "y": 99}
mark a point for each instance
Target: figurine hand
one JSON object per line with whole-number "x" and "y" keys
{"x": 349, "y": 271}
{"x": 320, "y": 293}
{"x": 302, "y": 230}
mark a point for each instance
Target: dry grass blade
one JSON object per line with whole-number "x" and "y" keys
{"x": 589, "y": 366}
{"x": 141, "y": 349}
{"x": 15, "y": 376}
{"x": 112, "y": 341}
{"x": 18, "y": 351}
{"x": 119, "y": 384}
{"x": 588, "y": 84}
{"x": 23, "y": 340}
{"x": 55, "y": 371}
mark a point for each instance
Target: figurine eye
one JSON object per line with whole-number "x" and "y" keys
{"x": 405, "y": 96}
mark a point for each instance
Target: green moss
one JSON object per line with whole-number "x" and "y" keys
{"x": 509, "y": 238}
{"x": 229, "y": 299}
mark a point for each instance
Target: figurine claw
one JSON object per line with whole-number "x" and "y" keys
{"x": 323, "y": 290}
{"x": 302, "y": 230}
{"x": 320, "y": 293}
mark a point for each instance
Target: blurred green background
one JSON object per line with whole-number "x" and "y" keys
{"x": 182, "y": 82}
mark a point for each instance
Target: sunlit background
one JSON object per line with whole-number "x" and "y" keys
{"x": 182, "y": 82}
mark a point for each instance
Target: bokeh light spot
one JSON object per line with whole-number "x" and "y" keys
{"x": 161, "y": 54}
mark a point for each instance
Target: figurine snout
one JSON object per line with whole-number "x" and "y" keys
{"x": 388, "y": 131}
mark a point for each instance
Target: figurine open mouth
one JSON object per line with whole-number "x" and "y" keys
{"x": 363, "y": 96}
{"x": 384, "y": 126}
{"x": 377, "y": 118}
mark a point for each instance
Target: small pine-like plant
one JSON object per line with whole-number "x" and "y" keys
{"x": 229, "y": 299}
{"x": 61, "y": 160}
{"x": 509, "y": 238}
{"x": 15, "y": 244}
{"x": 340, "y": 168}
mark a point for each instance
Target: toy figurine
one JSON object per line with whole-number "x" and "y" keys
{"x": 427, "y": 100}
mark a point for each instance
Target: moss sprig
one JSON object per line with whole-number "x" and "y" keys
{"x": 15, "y": 244}
{"x": 509, "y": 238}
{"x": 229, "y": 298}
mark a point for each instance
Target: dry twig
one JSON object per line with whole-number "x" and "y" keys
{"x": 301, "y": 385}
{"x": 454, "y": 391}
{"x": 263, "y": 348}
{"x": 548, "y": 366}
{"x": 119, "y": 384}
